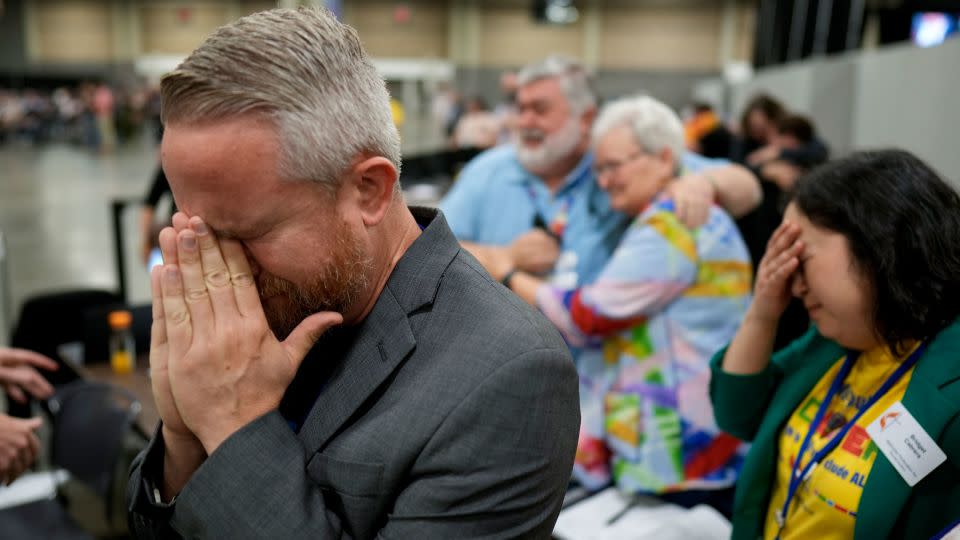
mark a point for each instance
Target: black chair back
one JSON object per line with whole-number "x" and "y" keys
{"x": 90, "y": 422}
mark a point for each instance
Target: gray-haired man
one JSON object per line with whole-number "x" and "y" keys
{"x": 439, "y": 407}
{"x": 536, "y": 203}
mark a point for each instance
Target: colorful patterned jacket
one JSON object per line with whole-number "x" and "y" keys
{"x": 668, "y": 298}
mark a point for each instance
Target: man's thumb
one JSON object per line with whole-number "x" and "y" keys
{"x": 299, "y": 342}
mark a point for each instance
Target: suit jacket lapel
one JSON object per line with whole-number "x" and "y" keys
{"x": 385, "y": 338}
{"x": 886, "y": 491}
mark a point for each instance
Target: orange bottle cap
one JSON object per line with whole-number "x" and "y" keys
{"x": 119, "y": 319}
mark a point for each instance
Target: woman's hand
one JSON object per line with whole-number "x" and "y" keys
{"x": 771, "y": 293}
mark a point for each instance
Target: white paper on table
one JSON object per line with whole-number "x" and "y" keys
{"x": 32, "y": 487}
{"x": 648, "y": 518}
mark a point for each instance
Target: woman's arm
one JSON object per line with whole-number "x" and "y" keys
{"x": 752, "y": 345}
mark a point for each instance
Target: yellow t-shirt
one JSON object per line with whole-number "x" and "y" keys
{"x": 825, "y": 506}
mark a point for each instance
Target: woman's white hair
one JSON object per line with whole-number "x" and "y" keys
{"x": 574, "y": 80}
{"x": 654, "y": 125}
{"x": 303, "y": 70}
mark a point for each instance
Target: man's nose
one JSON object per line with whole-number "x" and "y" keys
{"x": 526, "y": 119}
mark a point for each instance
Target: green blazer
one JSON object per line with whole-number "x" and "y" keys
{"x": 755, "y": 407}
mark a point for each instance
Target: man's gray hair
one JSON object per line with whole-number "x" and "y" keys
{"x": 654, "y": 125}
{"x": 303, "y": 70}
{"x": 574, "y": 80}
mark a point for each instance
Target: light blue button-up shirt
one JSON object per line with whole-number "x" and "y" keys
{"x": 495, "y": 200}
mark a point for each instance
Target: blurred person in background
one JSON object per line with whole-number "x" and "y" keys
{"x": 705, "y": 134}
{"x": 11, "y": 112}
{"x": 478, "y": 127}
{"x": 88, "y": 119}
{"x": 869, "y": 245}
{"x": 537, "y": 201}
{"x": 69, "y": 109}
{"x": 758, "y": 128}
{"x": 668, "y": 298}
{"x": 800, "y": 150}
{"x": 103, "y": 105}
{"x": 19, "y": 445}
{"x": 791, "y": 148}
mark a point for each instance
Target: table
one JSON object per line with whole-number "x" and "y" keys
{"x": 136, "y": 382}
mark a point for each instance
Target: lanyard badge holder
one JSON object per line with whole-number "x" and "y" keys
{"x": 798, "y": 476}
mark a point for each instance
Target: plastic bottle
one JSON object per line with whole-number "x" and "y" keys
{"x": 123, "y": 353}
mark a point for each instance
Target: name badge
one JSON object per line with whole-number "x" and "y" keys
{"x": 905, "y": 444}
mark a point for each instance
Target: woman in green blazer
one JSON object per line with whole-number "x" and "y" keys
{"x": 855, "y": 426}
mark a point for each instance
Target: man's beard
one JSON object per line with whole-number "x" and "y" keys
{"x": 335, "y": 286}
{"x": 554, "y": 148}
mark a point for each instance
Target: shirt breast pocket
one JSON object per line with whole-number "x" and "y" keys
{"x": 352, "y": 490}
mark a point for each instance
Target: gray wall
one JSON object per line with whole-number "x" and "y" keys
{"x": 898, "y": 96}
{"x": 908, "y": 98}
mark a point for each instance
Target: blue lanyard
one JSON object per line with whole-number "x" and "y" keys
{"x": 539, "y": 220}
{"x": 797, "y": 477}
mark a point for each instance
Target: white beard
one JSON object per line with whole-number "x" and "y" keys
{"x": 553, "y": 149}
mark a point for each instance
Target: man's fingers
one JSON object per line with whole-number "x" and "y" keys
{"x": 158, "y": 329}
{"x": 180, "y": 221}
{"x": 299, "y": 342}
{"x": 194, "y": 288}
{"x": 216, "y": 275}
{"x": 241, "y": 277}
{"x": 176, "y": 314}
{"x": 168, "y": 245}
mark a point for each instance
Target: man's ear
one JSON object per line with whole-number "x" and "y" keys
{"x": 375, "y": 179}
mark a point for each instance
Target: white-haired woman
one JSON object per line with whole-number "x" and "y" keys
{"x": 668, "y": 298}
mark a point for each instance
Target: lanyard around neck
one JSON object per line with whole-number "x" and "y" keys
{"x": 798, "y": 476}
{"x": 555, "y": 226}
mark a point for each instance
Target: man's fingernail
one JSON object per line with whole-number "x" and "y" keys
{"x": 200, "y": 228}
{"x": 189, "y": 242}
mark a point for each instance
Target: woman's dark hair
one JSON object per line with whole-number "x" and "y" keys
{"x": 798, "y": 126}
{"x": 770, "y": 107}
{"x": 902, "y": 222}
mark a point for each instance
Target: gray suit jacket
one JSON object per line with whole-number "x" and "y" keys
{"x": 454, "y": 415}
